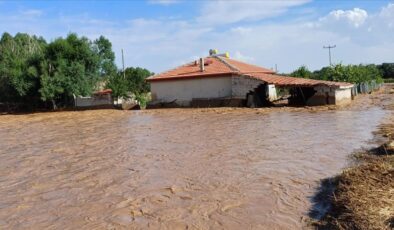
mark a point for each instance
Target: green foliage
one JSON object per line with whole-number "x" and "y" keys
{"x": 387, "y": 70}
{"x": 143, "y": 99}
{"x": 106, "y": 57}
{"x": 119, "y": 86}
{"x": 302, "y": 72}
{"x": 132, "y": 82}
{"x": 343, "y": 73}
{"x": 136, "y": 78}
{"x": 31, "y": 69}
{"x": 19, "y": 56}
{"x": 72, "y": 65}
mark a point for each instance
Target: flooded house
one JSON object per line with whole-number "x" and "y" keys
{"x": 218, "y": 80}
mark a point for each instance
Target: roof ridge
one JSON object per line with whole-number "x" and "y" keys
{"x": 232, "y": 67}
{"x": 175, "y": 68}
{"x": 261, "y": 69}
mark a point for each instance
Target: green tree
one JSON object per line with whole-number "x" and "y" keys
{"x": 136, "y": 78}
{"x": 33, "y": 71}
{"x": 302, "y": 72}
{"x": 119, "y": 86}
{"x": 71, "y": 67}
{"x": 106, "y": 57}
{"x": 132, "y": 82}
{"x": 322, "y": 74}
{"x": 349, "y": 73}
{"x": 387, "y": 70}
{"x": 19, "y": 56}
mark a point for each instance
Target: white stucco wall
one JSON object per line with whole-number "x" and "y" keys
{"x": 328, "y": 95}
{"x": 183, "y": 91}
{"x": 343, "y": 96}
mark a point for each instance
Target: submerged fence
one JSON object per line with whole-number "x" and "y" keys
{"x": 365, "y": 87}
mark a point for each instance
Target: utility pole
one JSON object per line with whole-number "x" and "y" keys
{"x": 329, "y": 51}
{"x": 124, "y": 73}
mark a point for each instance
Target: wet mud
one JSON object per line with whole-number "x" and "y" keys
{"x": 174, "y": 168}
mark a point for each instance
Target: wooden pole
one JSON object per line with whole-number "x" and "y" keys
{"x": 124, "y": 73}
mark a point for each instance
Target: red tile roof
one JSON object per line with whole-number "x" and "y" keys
{"x": 295, "y": 81}
{"x": 214, "y": 66}
{"x": 192, "y": 69}
{"x": 246, "y": 68}
{"x": 219, "y": 66}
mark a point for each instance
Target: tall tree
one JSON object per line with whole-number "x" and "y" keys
{"x": 137, "y": 79}
{"x": 132, "y": 82}
{"x": 71, "y": 67}
{"x": 106, "y": 57}
{"x": 19, "y": 56}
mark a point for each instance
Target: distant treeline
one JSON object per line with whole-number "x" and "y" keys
{"x": 348, "y": 73}
{"x": 37, "y": 74}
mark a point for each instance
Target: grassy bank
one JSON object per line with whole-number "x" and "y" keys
{"x": 362, "y": 197}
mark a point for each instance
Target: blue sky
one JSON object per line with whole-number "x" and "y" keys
{"x": 161, "y": 34}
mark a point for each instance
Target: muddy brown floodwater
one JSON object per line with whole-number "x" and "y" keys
{"x": 172, "y": 169}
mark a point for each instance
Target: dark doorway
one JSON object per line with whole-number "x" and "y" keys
{"x": 300, "y": 95}
{"x": 258, "y": 97}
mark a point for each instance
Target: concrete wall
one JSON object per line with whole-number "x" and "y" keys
{"x": 343, "y": 96}
{"x": 324, "y": 95}
{"x": 96, "y": 100}
{"x": 327, "y": 95}
{"x": 242, "y": 85}
{"x": 183, "y": 91}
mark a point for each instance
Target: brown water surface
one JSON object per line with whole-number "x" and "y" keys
{"x": 172, "y": 169}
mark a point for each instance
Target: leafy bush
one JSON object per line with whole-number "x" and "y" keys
{"x": 344, "y": 73}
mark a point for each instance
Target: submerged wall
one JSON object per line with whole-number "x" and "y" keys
{"x": 93, "y": 101}
{"x": 242, "y": 85}
{"x": 185, "y": 90}
{"x": 330, "y": 96}
{"x": 343, "y": 96}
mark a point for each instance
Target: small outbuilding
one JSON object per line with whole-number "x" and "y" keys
{"x": 218, "y": 80}
{"x": 99, "y": 99}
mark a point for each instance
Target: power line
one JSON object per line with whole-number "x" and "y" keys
{"x": 329, "y": 51}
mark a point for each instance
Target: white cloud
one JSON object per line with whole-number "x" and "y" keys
{"x": 31, "y": 13}
{"x": 227, "y": 11}
{"x": 387, "y": 15}
{"x": 355, "y": 17}
{"x": 239, "y": 56}
{"x": 162, "y": 43}
{"x": 163, "y": 2}
{"x": 388, "y": 11}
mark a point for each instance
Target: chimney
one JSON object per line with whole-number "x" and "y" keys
{"x": 202, "y": 67}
